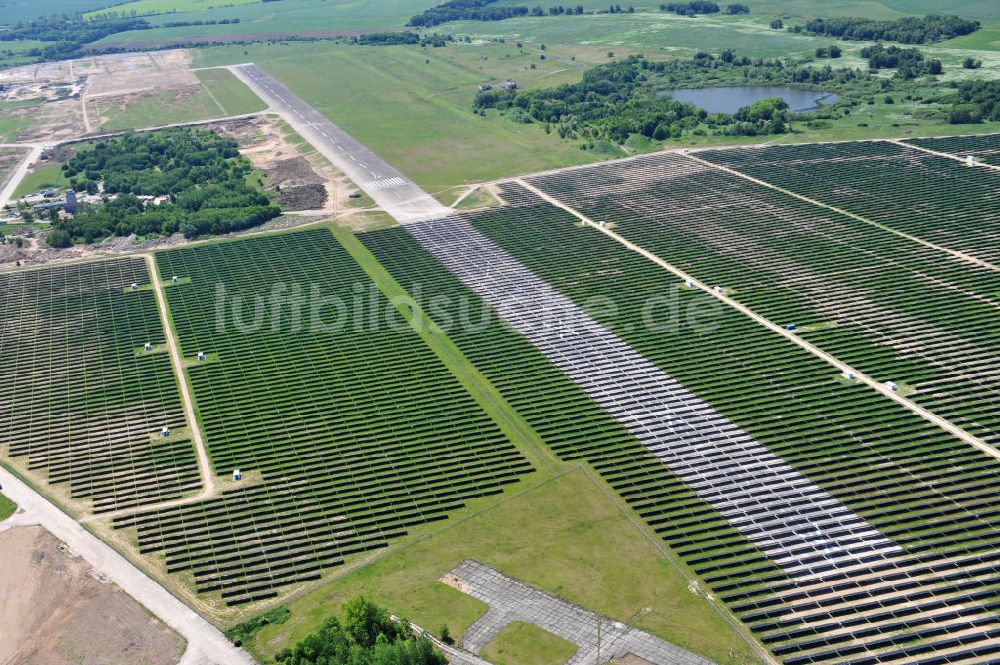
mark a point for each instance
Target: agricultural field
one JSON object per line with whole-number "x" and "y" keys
{"x": 90, "y": 403}
{"x": 828, "y": 274}
{"x": 349, "y": 429}
{"x": 898, "y": 472}
{"x": 318, "y": 18}
{"x": 22, "y": 10}
{"x": 154, "y": 7}
{"x": 880, "y": 181}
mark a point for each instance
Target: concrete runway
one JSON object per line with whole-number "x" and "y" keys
{"x": 394, "y": 192}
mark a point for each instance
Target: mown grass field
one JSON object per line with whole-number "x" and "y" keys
{"x": 563, "y": 535}
{"x": 526, "y": 644}
{"x": 46, "y": 176}
{"x": 231, "y": 96}
{"x": 7, "y": 507}
{"x": 661, "y": 31}
{"x": 414, "y": 107}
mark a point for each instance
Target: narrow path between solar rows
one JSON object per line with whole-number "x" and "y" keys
{"x": 944, "y": 424}
{"x": 955, "y": 253}
{"x": 204, "y": 465}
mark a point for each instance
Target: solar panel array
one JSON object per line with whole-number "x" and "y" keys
{"x": 934, "y": 198}
{"x": 893, "y": 308}
{"x": 82, "y": 400}
{"x": 357, "y": 429}
{"x": 924, "y": 490}
{"x": 984, "y": 147}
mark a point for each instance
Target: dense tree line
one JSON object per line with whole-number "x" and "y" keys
{"x": 559, "y": 10}
{"x": 67, "y": 34}
{"x": 908, "y": 62}
{"x": 69, "y": 29}
{"x": 366, "y": 635}
{"x": 469, "y": 10}
{"x": 401, "y": 38}
{"x": 201, "y": 173}
{"x": 184, "y": 24}
{"x": 616, "y": 100}
{"x": 387, "y": 39}
{"x": 974, "y": 102}
{"x": 695, "y": 7}
{"x": 908, "y": 30}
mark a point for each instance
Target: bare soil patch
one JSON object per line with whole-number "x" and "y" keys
{"x": 56, "y": 610}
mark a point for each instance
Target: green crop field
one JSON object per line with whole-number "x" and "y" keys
{"x": 652, "y": 31}
{"x": 11, "y": 125}
{"x": 354, "y": 428}
{"x": 147, "y": 7}
{"x": 90, "y": 402}
{"x": 298, "y": 17}
{"x": 22, "y": 10}
{"x": 163, "y": 108}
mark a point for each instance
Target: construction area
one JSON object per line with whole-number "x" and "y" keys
{"x": 56, "y": 609}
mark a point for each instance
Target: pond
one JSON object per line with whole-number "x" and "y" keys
{"x": 732, "y": 99}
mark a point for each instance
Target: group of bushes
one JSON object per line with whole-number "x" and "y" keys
{"x": 695, "y": 7}
{"x": 201, "y": 173}
{"x": 908, "y": 62}
{"x": 459, "y": 10}
{"x": 974, "y": 102}
{"x": 365, "y": 635}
